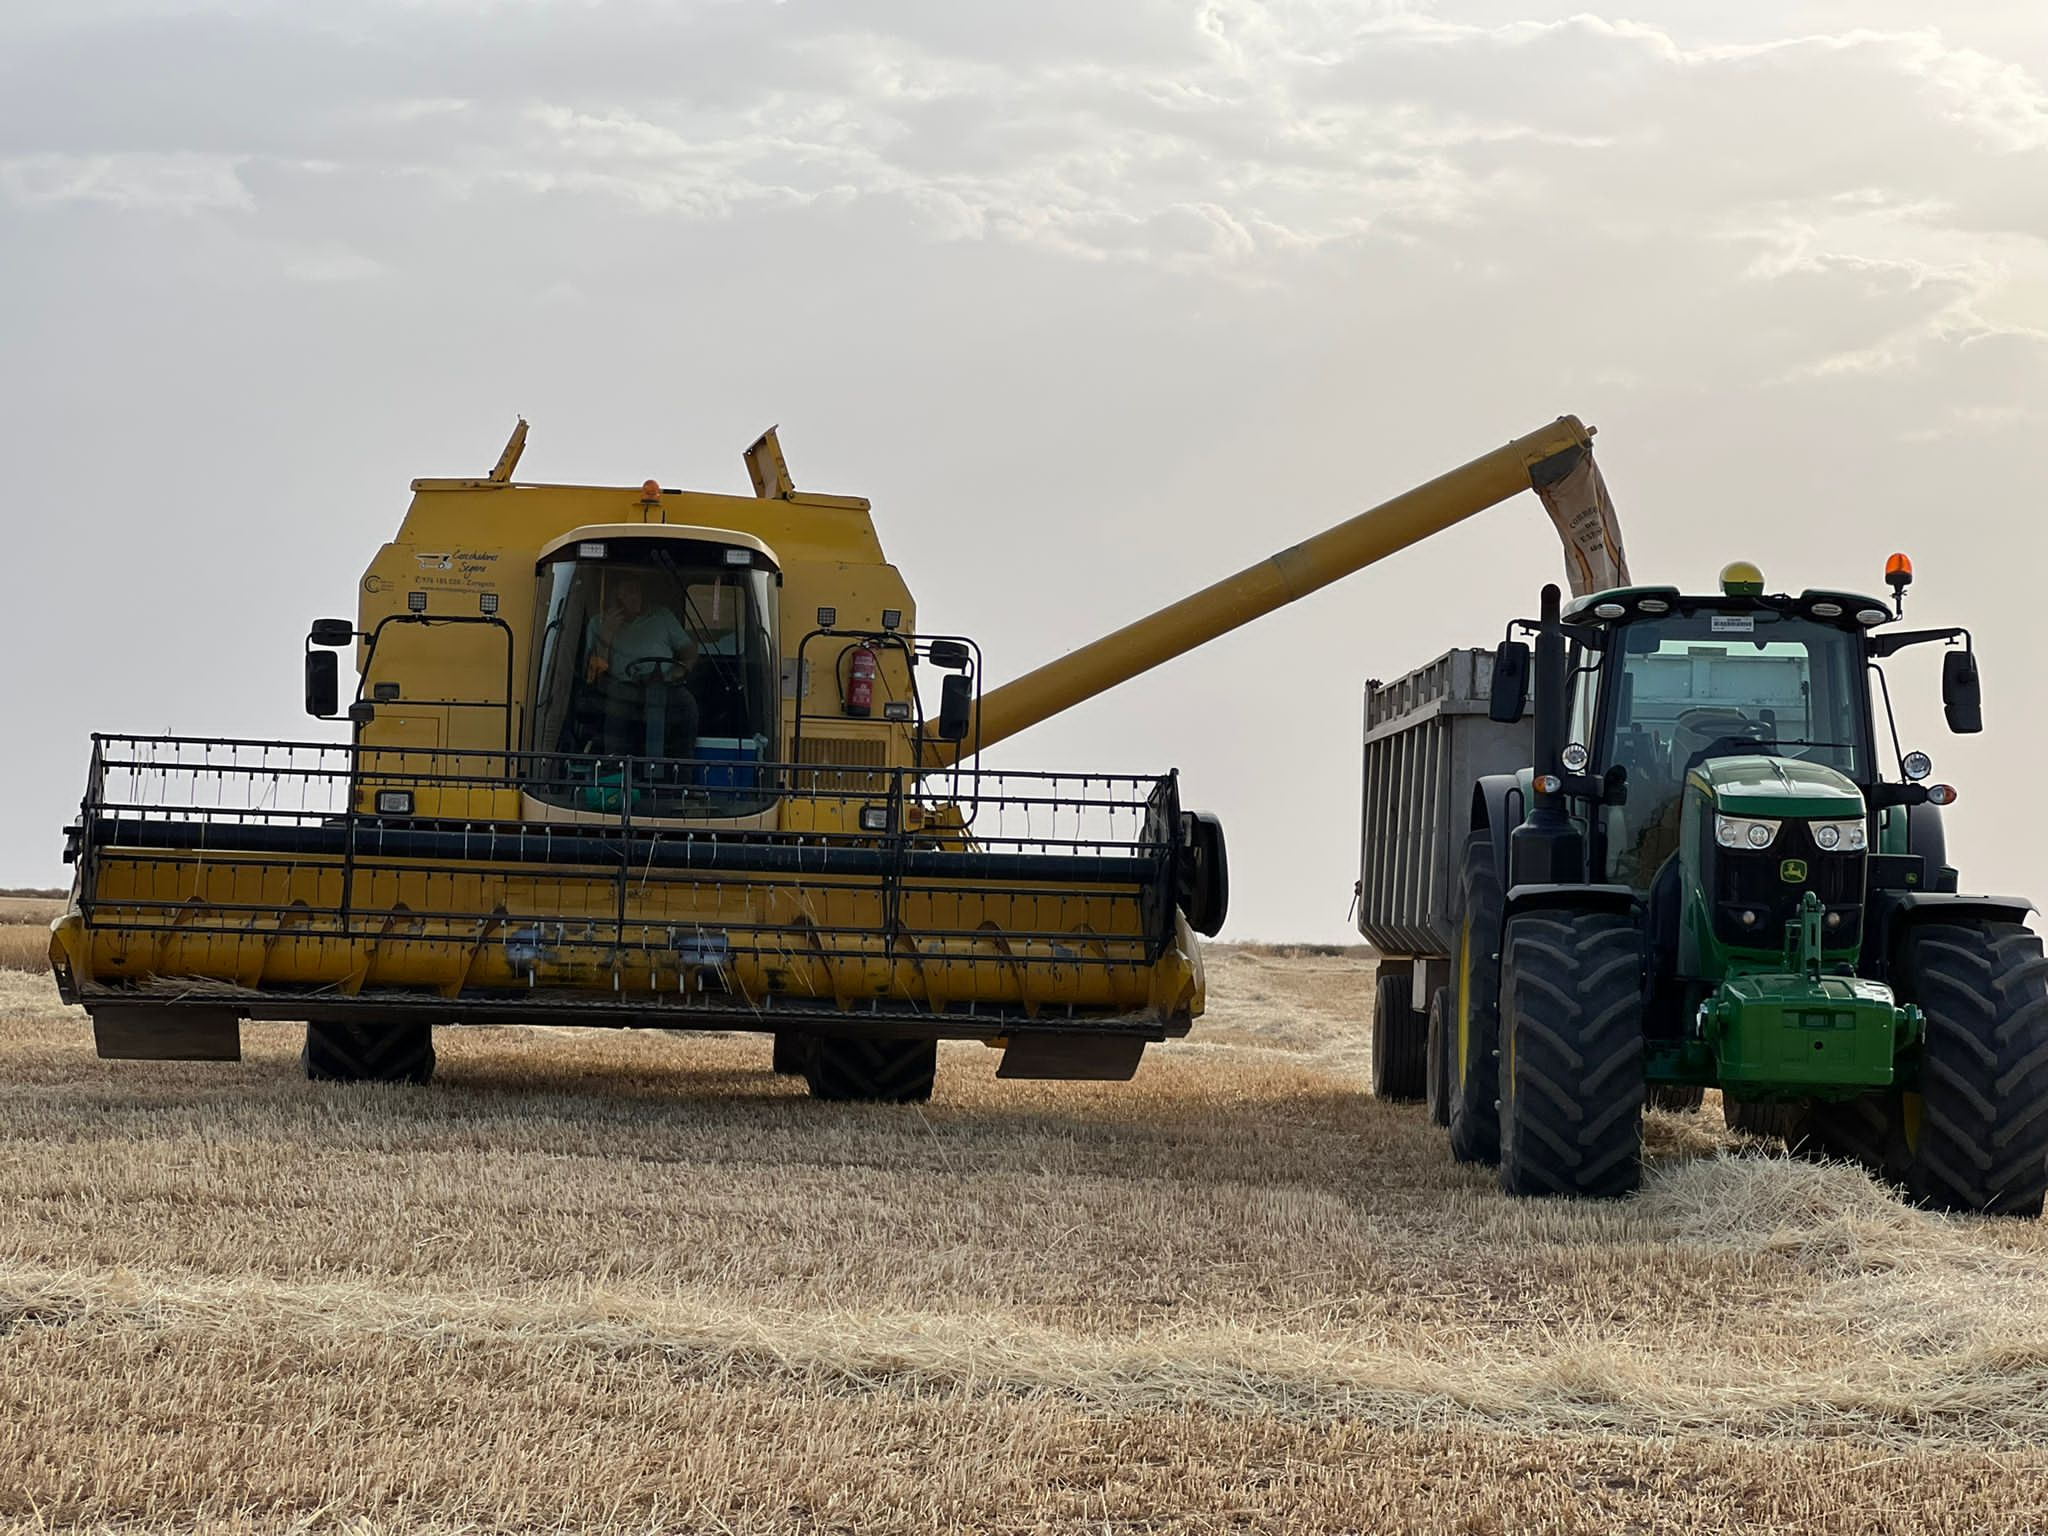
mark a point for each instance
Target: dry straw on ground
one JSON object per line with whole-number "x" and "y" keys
{"x": 627, "y": 1283}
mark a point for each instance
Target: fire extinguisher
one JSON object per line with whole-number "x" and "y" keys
{"x": 860, "y": 680}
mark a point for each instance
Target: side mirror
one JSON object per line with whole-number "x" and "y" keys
{"x": 332, "y": 632}
{"x": 1510, "y": 683}
{"x": 323, "y": 684}
{"x": 948, "y": 655}
{"x": 956, "y": 708}
{"x": 1962, "y": 699}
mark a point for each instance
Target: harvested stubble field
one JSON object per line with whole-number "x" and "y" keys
{"x": 635, "y": 1283}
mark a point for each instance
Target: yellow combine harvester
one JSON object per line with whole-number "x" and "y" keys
{"x": 641, "y": 757}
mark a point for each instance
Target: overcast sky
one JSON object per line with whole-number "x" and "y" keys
{"x": 1095, "y": 301}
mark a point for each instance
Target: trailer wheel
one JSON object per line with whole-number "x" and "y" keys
{"x": 1976, "y": 1134}
{"x": 369, "y": 1053}
{"x": 1472, "y": 1033}
{"x": 791, "y": 1047}
{"x": 1400, "y": 1039}
{"x": 1436, "y": 1079}
{"x": 1572, "y": 1056}
{"x": 880, "y": 1071}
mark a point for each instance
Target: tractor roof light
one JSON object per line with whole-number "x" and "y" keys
{"x": 650, "y": 493}
{"x": 1870, "y": 618}
{"x": 1653, "y": 605}
{"x": 1826, "y": 610}
{"x": 1741, "y": 578}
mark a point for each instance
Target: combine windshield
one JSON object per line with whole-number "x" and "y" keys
{"x": 1717, "y": 684}
{"x": 656, "y": 667}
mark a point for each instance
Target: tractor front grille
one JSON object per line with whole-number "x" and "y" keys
{"x": 1753, "y": 899}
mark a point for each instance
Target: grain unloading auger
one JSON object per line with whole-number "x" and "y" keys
{"x": 642, "y": 757}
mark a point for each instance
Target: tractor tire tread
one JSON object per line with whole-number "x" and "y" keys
{"x": 1474, "y": 1095}
{"x": 1983, "y": 1134}
{"x": 1572, "y": 1085}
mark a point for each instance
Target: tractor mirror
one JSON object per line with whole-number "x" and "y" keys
{"x": 1962, "y": 699}
{"x": 323, "y": 684}
{"x": 948, "y": 655}
{"x": 1510, "y": 682}
{"x": 956, "y": 707}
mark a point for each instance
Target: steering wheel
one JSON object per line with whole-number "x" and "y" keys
{"x": 647, "y": 669}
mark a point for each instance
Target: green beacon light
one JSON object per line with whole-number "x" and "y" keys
{"x": 1739, "y": 578}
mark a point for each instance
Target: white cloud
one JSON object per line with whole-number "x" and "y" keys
{"x": 176, "y": 182}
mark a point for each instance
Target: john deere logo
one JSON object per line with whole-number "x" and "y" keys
{"x": 1792, "y": 871}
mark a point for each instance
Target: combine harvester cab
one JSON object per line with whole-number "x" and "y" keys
{"x": 641, "y": 757}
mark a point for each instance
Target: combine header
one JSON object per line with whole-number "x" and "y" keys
{"x": 642, "y": 757}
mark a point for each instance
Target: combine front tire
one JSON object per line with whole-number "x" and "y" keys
{"x": 1400, "y": 1037}
{"x": 1472, "y": 1032}
{"x": 791, "y": 1047}
{"x": 878, "y": 1071}
{"x": 369, "y": 1053}
{"x": 1572, "y": 1056}
{"x": 1977, "y": 1137}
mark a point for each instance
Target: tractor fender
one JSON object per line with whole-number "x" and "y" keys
{"x": 1499, "y": 805}
{"x": 1571, "y": 898}
{"x": 1892, "y": 914}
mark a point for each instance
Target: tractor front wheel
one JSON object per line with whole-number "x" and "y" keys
{"x": 1571, "y": 1070}
{"x": 369, "y": 1053}
{"x": 876, "y": 1071}
{"x": 1976, "y": 1134}
{"x": 1400, "y": 1037}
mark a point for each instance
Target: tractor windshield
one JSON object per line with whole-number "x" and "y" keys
{"x": 652, "y": 649}
{"x": 1718, "y": 683}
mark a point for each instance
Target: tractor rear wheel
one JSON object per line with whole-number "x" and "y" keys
{"x": 878, "y": 1071}
{"x": 1472, "y": 1032}
{"x": 1976, "y": 1134}
{"x": 369, "y": 1053}
{"x": 1572, "y": 1055}
{"x": 1400, "y": 1037}
{"x": 1436, "y": 1079}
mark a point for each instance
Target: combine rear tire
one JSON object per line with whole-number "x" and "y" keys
{"x": 1572, "y": 1056}
{"x": 1436, "y": 1082}
{"x": 878, "y": 1071}
{"x": 369, "y": 1053}
{"x": 1400, "y": 1039}
{"x": 1976, "y": 1135}
{"x": 1472, "y": 1032}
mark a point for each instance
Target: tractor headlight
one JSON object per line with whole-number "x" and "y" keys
{"x": 1744, "y": 831}
{"x": 1839, "y": 836}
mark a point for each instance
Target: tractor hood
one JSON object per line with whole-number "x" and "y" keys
{"x": 1779, "y": 787}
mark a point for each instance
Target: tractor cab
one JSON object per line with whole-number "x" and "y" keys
{"x": 1758, "y": 704}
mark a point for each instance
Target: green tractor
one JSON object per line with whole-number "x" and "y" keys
{"x": 1703, "y": 880}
